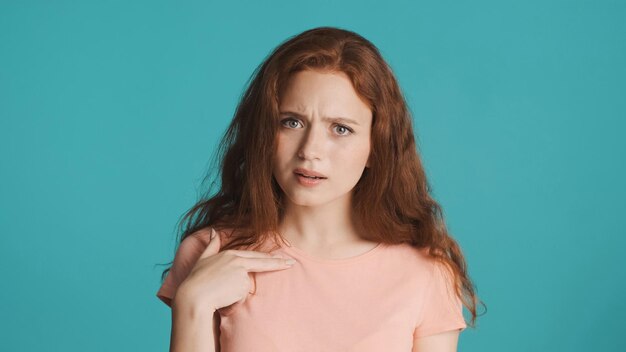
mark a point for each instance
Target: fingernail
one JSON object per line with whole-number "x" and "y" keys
{"x": 213, "y": 233}
{"x": 290, "y": 261}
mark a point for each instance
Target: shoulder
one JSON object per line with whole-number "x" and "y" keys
{"x": 412, "y": 260}
{"x": 409, "y": 254}
{"x": 202, "y": 237}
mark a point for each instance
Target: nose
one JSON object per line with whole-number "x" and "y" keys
{"x": 312, "y": 143}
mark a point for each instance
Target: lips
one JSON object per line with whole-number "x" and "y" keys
{"x": 308, "y": 173}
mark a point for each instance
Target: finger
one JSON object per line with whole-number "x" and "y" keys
{"x": 256, "y": 254}
{"x": 214, "y": 245}
{"x": 267, "y": 264}
{"x": 253, "y": 280}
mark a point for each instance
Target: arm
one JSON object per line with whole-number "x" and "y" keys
{"x": 441, "y": 320}
{"x": 189, "y": 328}
{"x": 214, "y": 280}
{"x": 216, "y": 325}
{"x": 183, "y": 317}
{"x": 442, "y": 342}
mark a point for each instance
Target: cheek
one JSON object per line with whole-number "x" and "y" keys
{"x": 282, "y": 154}
{"x": 281, "y": 150}
{"x": 362, "y": 150}
{"x": 354, "y": 157}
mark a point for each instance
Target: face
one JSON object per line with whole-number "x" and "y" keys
{"x": 324, "y": 128}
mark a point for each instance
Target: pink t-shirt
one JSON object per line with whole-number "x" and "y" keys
{"x": 380, "y": 300}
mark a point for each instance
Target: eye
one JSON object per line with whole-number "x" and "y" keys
{"x": 344, "y": 128}
{"x": 286, "y": 122}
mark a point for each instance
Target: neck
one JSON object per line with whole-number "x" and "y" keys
{"x": 319, "y": 226}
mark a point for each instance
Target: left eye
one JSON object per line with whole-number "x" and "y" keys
{"x": 344, "y": 128}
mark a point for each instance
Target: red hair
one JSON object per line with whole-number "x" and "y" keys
{"x": 391, "y": 201}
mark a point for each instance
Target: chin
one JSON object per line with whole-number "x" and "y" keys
{"x": 311, "y": 200}
{"x": 307, "y": 201}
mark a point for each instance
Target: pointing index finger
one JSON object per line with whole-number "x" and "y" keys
{"x": 267, "y": 264}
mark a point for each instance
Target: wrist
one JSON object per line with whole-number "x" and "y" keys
{"x": 184, "y": 305}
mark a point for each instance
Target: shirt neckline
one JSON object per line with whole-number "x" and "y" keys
{"x": 299, "y": 253}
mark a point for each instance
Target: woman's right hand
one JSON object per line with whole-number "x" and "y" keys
{"x": 219, "y": 279}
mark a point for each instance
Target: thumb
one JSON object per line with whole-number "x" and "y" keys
{"x": 214, "y": 245}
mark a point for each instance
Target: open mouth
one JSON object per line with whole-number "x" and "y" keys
{"x": 311, "y": 177}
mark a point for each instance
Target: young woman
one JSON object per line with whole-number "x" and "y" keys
{"x": 323, "y": 235}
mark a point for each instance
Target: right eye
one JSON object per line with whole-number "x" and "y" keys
{"x": 289, "y": 122}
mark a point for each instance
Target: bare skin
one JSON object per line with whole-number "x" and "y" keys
{"x": 317, "y": 219}
{"x": 442, "y": 342}
{"x": 217, "y": 280}
{"x": 324, "y": 127}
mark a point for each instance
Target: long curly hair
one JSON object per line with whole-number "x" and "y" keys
{"x": 391, "y": 201}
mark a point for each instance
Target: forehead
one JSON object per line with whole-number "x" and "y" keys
{"x": 326, "y": 93}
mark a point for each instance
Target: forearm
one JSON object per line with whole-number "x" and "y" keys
{"x": 192, "y": 328}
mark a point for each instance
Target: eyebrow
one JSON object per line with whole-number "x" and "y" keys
{"x": 332, "y": 119}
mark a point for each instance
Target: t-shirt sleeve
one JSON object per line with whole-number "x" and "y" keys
{"x": 442, "y": 309}
{"x": 186, "y": 256}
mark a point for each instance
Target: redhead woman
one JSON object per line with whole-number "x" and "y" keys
{"x": 323, "y": 235}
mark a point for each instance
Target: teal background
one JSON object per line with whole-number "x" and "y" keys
{"x": 110, "y": 110}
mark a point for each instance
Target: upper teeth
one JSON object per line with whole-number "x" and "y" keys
{"x": 309, "y": 176}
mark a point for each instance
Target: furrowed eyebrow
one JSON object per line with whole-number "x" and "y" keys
{"x": 331, "y": 119}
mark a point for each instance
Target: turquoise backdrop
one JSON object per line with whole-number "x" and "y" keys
{"x": 110, "y": 110}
